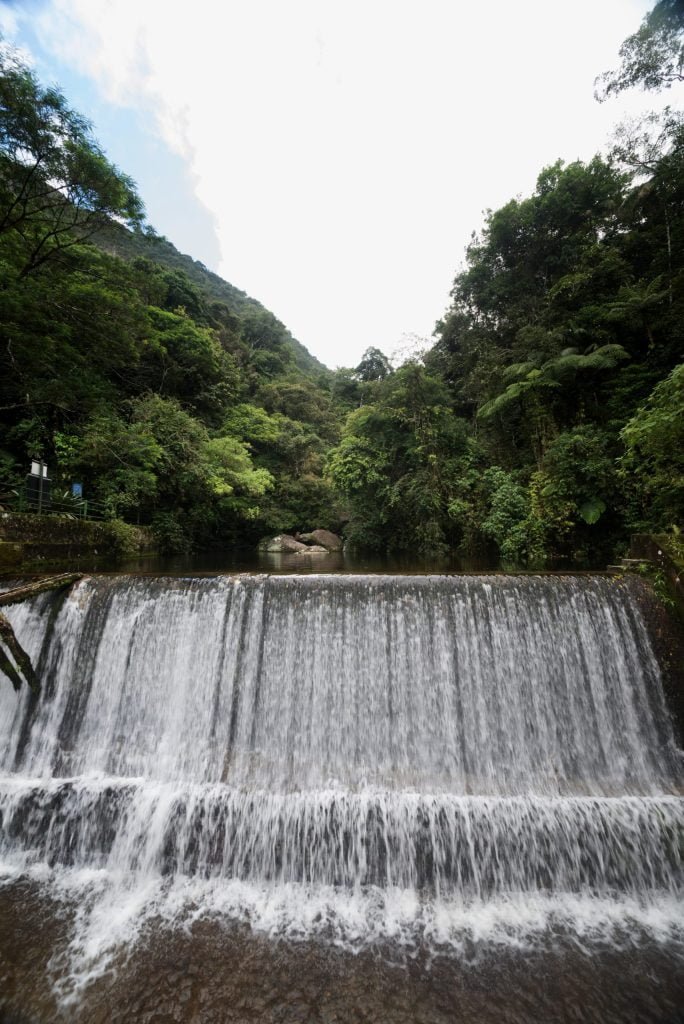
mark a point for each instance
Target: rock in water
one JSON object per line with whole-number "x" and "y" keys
{"x": 282, "y": 544}
{"x": 323, "y": 538}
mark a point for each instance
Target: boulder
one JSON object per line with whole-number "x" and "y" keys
{"x": 323, "y": 538}
{"x": 313, "y": 549}
{"x": 283, "y": 544}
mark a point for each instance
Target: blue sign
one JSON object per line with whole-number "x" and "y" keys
{"x": 77, "y": 490}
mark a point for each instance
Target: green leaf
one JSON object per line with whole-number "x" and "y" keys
{"x": 592, "y": 510}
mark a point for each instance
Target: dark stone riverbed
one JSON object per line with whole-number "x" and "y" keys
{"x": 213, "y": 974}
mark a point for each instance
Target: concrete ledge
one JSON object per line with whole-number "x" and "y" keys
{"x": 26, "y": 538}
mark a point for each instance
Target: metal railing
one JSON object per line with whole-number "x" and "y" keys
{"x": 66, "y": 506}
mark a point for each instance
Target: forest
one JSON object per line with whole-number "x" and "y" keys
{"x": 544, "y": 423}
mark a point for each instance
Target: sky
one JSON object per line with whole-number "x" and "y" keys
{"x": 333, "y": 157}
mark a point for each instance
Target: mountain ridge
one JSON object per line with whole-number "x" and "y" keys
{"x": 118, "y": 240}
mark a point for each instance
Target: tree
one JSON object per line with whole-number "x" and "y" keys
{"x": 56, "y": 185}
{"x": 538, "y": 392}
{"x": 186, "y": 361}
{"x": 345, "y": 389}
{"x": 568, "y": 313}
{"x": 302, "y": 400}
{"x": 374, "y": 365}
{"x": 227, "y": 468}
{"x": 399, "y": 463}
{"x": 653, "y": 56}
{"x": 653, "y": 464}
{"x": 265, "y": 339}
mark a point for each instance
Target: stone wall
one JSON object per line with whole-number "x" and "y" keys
{"x": 27, "y": 539}
{"x": 654, "y": 548}
{"x": 666, "y": 622}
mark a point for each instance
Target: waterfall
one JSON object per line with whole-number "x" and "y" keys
{"x": 410, "y": 758}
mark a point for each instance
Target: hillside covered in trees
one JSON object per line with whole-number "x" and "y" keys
{"x": 175, "y": 399}
{"x": 545, "y": 422}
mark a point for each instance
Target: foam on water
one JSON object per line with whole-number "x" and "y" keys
{"x": 446, "y": 762}
{"x": 113, "y": 911}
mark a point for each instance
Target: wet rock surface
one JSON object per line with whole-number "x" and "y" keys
{"x": 282, "y": 544}
{"x": 318, "y": 541}
{"x": 323, "y": 538}
{"x": 214, "y": 974}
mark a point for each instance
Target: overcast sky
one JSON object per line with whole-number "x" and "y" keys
{"x": 333, "y": 158}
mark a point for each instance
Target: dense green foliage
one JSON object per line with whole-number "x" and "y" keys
{"x": 546, "y": 422}
{"x": 531, "y": 426}
{"x": 114, "y": 239}
{"x": 174, "y": 398}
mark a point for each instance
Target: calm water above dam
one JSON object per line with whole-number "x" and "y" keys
{"x": 428, "y": 785}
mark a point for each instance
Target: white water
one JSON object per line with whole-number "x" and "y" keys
{"x": 406, "y": 759}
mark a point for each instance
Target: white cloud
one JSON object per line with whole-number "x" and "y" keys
{"x": 8, "y": 22}
{"x": 347, "y": 150}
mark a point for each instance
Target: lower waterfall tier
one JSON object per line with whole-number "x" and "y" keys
{"x": 474, "y": 846}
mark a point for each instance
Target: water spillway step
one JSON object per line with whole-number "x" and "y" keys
{"x": 461, "y": 739}
{"x": 476, "y": 846}
{"x": 472, "y": 685}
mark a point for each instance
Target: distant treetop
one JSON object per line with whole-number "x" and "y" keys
{"x": 652, "y": 57}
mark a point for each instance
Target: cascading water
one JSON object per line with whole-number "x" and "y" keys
{"x": 434, "y": 760}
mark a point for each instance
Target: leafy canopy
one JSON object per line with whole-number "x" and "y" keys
{"x": 653, "y": 56}
{"x": 56, "y": 185}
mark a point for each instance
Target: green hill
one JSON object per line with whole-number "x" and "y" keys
{"x": 131, "y": 245}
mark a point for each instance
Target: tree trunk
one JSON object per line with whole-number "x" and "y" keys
{"x": 22, "y": 663}
{"x": 38, "y": 587}
{"x": 21, "y": 658}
